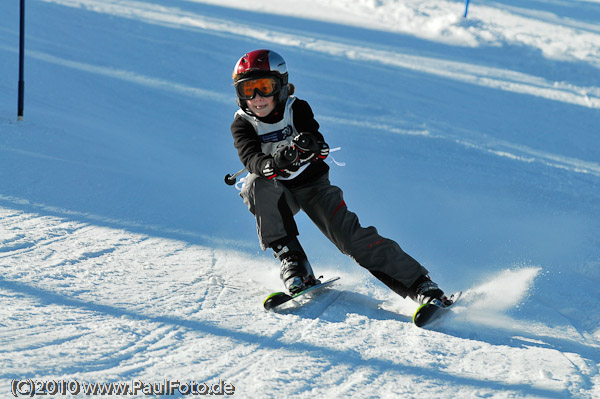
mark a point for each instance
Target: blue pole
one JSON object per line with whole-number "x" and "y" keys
{"x": 466, "y": 8}
{"x": 21, "y": 61}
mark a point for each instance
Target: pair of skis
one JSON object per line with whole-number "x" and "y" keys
{"x": 424, "y": 315}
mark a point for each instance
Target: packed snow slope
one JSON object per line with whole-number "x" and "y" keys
{"x": 474, "y": 142}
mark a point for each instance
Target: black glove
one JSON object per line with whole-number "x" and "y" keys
{"x": 309, "y": 148}
{"x": 323, "y": 151}
{"x": 285, "y": 162}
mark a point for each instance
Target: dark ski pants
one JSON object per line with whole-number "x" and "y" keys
{"x": 274, "y": 206}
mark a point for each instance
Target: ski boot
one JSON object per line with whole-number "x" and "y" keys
{"x": 424, "y": 291}
{"x": 295, "y": 271}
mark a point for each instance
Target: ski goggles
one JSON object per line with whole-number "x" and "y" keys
{"x": 266, "y": 87}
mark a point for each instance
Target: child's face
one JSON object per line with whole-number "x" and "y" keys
{"x": 261, "y": 106}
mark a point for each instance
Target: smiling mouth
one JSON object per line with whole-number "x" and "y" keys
{"x": 260, "y": 108}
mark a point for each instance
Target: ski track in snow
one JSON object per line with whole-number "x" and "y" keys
{"x": 85, "y": 297}
{"x": 66, "y": 279}
{"x": 476, "y": 140}
{"x": 500, "y": 79}
{"x": 496, "y": 78}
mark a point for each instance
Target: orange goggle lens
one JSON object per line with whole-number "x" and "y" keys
{"x": 247, "y": 89}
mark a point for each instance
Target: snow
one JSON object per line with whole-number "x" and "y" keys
{"x": 472, "y": 142}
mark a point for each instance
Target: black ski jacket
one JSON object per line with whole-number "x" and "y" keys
{"x": 248, "y": 143}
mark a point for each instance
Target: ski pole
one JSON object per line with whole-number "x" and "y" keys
{"x": 230, "y": 179}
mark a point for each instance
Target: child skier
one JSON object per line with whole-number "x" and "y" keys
{"x": 278, "y": 141}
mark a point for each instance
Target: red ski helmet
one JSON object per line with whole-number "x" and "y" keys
{"x": 260, "y": 64}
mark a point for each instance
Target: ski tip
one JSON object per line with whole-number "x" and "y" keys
{"x": 275, "y": 299}
{"x": 417, "y": 313}
{"x": 430, "y": 310}
{"x": 278, "y": 298}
